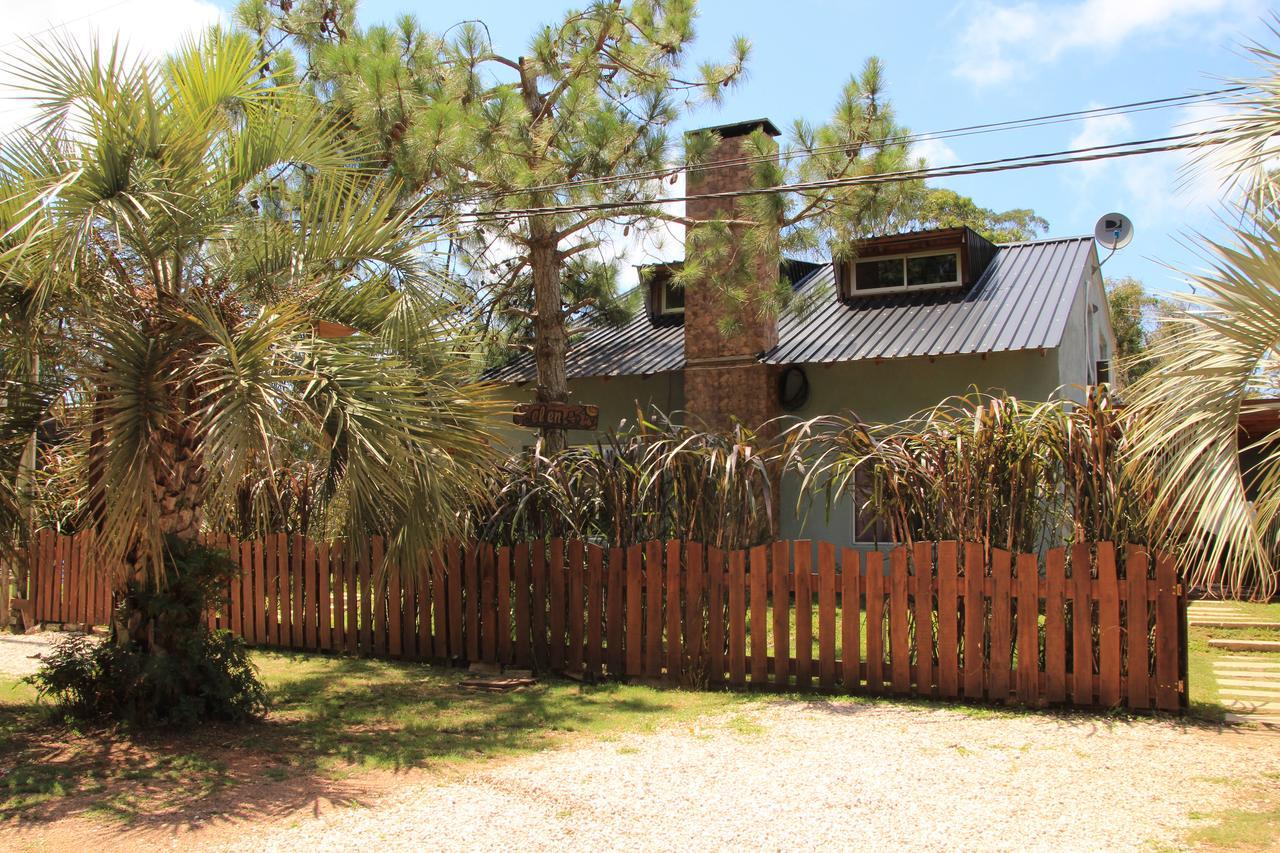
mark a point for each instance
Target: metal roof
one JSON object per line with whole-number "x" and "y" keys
{"x": 1020, "y": 302}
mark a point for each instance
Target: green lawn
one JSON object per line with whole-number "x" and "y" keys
{"x": 330, "y": 717}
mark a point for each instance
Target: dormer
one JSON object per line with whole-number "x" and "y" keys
{"x": 663, "y": 298}
{"x": 945, "y": 259}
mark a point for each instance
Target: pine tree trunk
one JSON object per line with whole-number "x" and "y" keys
{"x": 550, "y": 339}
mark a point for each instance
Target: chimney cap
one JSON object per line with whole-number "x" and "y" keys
{"x": 739, "y": 128}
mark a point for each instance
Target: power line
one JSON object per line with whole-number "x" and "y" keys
{"x": 1211, "y": 96}
{"x": 1133, "y": 148}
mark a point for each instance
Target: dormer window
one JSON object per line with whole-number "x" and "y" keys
{"x": 671, "y": 299}
{"x": 907, "y": 272}
{"x": 947, "y": 258}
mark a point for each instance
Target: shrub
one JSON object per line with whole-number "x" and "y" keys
{"x": 172, "y": 671}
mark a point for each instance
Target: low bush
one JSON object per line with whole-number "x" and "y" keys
{"x": 170, "y": 670}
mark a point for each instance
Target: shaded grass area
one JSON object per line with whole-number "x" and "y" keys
{"x": 331, "y": 718}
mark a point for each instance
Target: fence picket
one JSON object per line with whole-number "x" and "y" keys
{"x": 471, "y": 601}
{"x": 1109, "y": 638}
{"x": 850, "y": 619}
{"x": 975, "y": 619}
{"x": 524, "y": 608}
{"x": 759, "y": 626}
{"x": 1001, "y": 625}
{"x": 1055, "y": 626}
{"x": 899, "y": 653}
{"x": 875, "y": 621}
{"x": 1028, "y": 665}
{"x": 691, "y": 650}
{"x": 577, "y": 620}
{"x": 1135, "y": 570}
{"x": 948, "y": 620}
{"x": 781, "y": 612}
{"x": 826, "y": 615}
{"x": 1081, "y": 626}
{"x": 615, "y": 606}
{"x": 738, "y": 620}
{"x": 595, "y": 610}
{"x": 556, "y": 620}
{"x": 1168, "y": 691}
{"x": 488, "y": 605}
{"x": 504, "y": 607}
{"x": 922, "y": 574}
{"x": 538, "y": 601}
{"x": 453, "y": 608}
{"x": 634, "y": 641}
{"x": 715, "y": 615}
{"x": 653, "y": 581}
{"x": 804, "y": 612}
{"x": 671, "y": 584}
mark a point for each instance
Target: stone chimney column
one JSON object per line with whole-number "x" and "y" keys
{"x": 724, "y": 380}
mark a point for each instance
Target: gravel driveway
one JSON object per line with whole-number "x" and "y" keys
{"x": 800, "y": 775}
{"x": 18, "y": 651}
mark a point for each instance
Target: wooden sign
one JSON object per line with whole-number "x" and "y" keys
{"x": 561, "y": 415}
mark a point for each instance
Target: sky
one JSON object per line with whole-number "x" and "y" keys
{"x": 947, "y": 65}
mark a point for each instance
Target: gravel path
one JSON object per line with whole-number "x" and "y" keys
{"x": 18, "y": 651}
{"x": 796, "y": 775}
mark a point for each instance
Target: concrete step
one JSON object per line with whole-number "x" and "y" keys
{"x": 1246, "y": 674}
{"x": 1246, "y": 645}
{"x": 1269, "y": 722}
{"x": 1222, "y": 623}
{"x": 1252, "y": 707}
{"x": 1247, "y": 663}
{"x": 1242, "y": 693}
{"x": 1249, "y": 684}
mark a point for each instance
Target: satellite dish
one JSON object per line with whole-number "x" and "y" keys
{"x": 1113, "y": 231}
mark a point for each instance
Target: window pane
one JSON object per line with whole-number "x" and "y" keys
{"x": 672, "y": 297}
{"x": 932, "y": 269}
{"x": 874, "y": 274}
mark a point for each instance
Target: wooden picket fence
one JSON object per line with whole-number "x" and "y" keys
{"x": 1086, "y": 626}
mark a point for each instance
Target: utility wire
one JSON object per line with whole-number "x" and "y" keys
{"x": 1212, "y": 96}
{"x": 1133, "y": 148}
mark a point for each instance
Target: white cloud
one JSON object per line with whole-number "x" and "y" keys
{"x": 147, "y": 28}
{"x": 935, "y": 152}
{"x": 1100, "y": 130}
{"x": 1162, "y": 192}
{"x": 1002, "y": 42}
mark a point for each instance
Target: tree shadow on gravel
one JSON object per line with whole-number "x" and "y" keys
{"x": 340, "y": 730}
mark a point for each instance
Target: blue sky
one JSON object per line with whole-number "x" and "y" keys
{"x": 948, "y": 64}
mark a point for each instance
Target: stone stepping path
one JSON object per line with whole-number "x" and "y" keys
{"x": 1248, "y": 685}
{"x": 1250, "y": 689}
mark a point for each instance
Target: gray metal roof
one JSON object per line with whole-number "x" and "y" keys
{"x": 1020, "y": 302}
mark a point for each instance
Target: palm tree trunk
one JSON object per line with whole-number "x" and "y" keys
{"x": 179, "y": 491}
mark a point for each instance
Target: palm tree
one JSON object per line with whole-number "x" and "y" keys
{"x": 1216, "y": 355}
{"x": 224, "y": 295}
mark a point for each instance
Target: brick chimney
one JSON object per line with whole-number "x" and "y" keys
{"x": 723, "y": 378}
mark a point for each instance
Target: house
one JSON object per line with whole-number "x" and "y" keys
{"x": 915, "y": 318}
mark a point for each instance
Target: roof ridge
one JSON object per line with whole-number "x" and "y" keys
{"x": 1045, "y": 240}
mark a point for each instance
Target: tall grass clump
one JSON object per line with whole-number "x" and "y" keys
{"x": 988, "y": 468}
{"x": 651, "y": 478}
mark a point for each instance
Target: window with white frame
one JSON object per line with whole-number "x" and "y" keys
{"x": 671, "y": 298}
{"x": 924, "y": 270}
